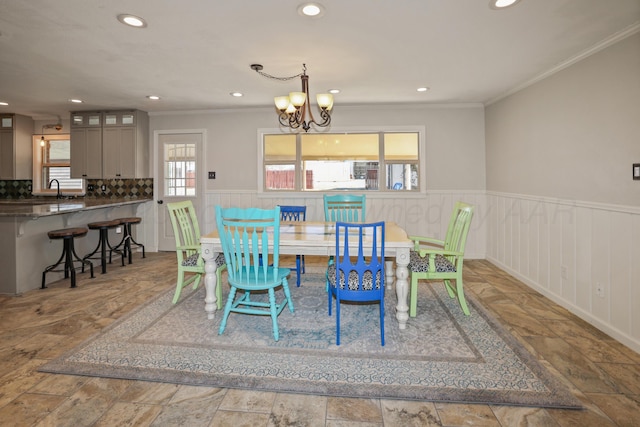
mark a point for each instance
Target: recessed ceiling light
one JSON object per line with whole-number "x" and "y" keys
{"x": 236, "y": 94}
{"x": 312, "y": 10}
{"x": 132, "y": 20}
{"x": 422, "y": 89}
{"x": 501, "y": 4}
{"x": 4, "y": 103}
{"x": 334, "y": 91}
{"x": 153, "y": 97}
{"x": 76, "y": 101}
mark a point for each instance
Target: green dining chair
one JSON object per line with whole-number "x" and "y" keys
{"x": 433, "y": 259}
{"x": 250, "y": 241}
{"x": 190, "y": 263}
{"x": 358, "y": 272}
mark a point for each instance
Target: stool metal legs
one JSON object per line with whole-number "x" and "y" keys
{"x": 127, "y": 240}
{"x": 70, "y": 257}
{"x": 103, "y": 244}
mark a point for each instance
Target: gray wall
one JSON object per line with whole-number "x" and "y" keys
{"x": 573, "y": 135}
{"x": 454, "y": 140}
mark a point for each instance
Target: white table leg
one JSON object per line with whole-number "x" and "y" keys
{"x": 389, "y": 274}
{"x": 402, "y": 287}
{"x": 210, "y": 279}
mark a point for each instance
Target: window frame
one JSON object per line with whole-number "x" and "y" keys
{"x": 420, "y": 130}
{"x": 36, "y": 181}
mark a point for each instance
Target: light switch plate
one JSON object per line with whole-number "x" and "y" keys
{"x": 212, "y": 175}
{"x": 636, "y": 171}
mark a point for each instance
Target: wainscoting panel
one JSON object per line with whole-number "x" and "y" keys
{"x": 584, "y": 256}
{"x": 425, "y": 216}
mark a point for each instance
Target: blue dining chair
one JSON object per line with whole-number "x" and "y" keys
{"x": 358, "y": 271}
{"x": 344, "y": 207}
{"x": 249, "y": 236}
{"x": 295, "y": 213}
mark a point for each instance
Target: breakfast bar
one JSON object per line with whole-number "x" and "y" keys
{"x": 26, "y": 250}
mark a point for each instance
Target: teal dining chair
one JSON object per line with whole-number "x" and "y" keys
{"x": 295, "y": 213}
{"x": 358, "y": 271}
{"x": 190, "y": 263}
{"x": 249, "y": 237}
{"x": 344, "y": 207}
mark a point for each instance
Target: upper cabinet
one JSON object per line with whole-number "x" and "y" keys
{"x": 86, "y": 145}
{"x": 125, "y": 152}
{"x": 110, "y": 144}
{"x": 16, "y": 149}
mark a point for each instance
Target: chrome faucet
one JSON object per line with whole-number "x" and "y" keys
{"x": 59, "y": 195}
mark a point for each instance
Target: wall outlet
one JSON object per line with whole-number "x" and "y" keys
{"x": 600, "y": 289}
{"x": 563, "y": 272}
{"x": 118, "y": 230}
{"x": 103, "y": 187}
{"x": 212, "y": 175}
{"x": 90, "y": 187}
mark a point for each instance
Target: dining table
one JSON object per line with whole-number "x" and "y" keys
{"x": 319, "y": 238}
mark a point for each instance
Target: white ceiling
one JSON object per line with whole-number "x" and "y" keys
{"x": 195, "y": 52}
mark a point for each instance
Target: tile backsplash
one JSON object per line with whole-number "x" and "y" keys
{"x": 138, "y": 188}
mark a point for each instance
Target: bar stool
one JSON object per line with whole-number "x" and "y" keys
{"x": 103, "y": 242}
{"x": 68, "y": 254}
{"x": 127, "y": 238}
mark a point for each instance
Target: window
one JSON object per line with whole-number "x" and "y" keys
{"x": 51, "y": 161}
{"x": 375, "y": 161}
{"x": 179, "y": 169}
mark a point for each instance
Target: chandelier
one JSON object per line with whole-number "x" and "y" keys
{"x": 294, "y": 109}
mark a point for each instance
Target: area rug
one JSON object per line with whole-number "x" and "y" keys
{"x": 441, "y": 356}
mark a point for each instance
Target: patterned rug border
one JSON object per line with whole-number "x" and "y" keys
{"x": 557, "y": 395}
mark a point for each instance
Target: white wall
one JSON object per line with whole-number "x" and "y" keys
{"x": 564, "y": 212}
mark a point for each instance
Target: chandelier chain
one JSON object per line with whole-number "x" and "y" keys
{"x": 258, "y": 69}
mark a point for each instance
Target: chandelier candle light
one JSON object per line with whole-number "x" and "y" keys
{"x": 293, "y": 109}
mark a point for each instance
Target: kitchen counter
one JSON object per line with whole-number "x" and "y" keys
{"x": 26, "y": 249}
{"x": 41, "y": 207}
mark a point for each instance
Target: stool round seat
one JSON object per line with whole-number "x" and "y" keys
{"x": 67, "y": 232}
{"x": 103, "y": 224}
{"x": 69, "y": 256}
{"x": 130, "y": 220}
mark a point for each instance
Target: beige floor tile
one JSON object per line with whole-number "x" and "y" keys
{"x": 149, "y": 392}
{"x": 298, "y": 410}
{"x": 401, "y": 413}
{"x": 453, "y": 415}
{"x": 239, "y": 419}
{"x": 248, "y": 400}
{"x": 28, "y": 408}
{"x": 129, "y": 414}
{"x": 573, "y": 364}
{"x": 510, "y": 416}
{"x": 623, "y": 410}
{"x": 353, "y": 409}
{"x": 87, "y": 404}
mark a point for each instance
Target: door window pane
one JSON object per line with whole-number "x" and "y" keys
{"x": 179, "y": 169}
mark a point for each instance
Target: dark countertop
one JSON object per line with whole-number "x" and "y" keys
{"x": 41, "y": 207}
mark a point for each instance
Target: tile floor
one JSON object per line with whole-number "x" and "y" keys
{"x": 41, "y": 324}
